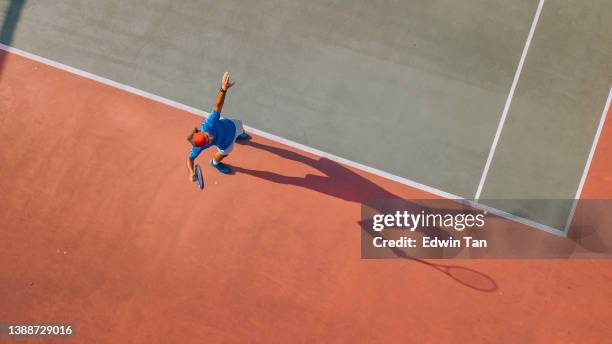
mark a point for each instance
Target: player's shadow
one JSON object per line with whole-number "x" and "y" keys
{"x": 340, "y": 182}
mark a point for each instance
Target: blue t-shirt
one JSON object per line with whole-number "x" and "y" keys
{"x": 223, "y": 129}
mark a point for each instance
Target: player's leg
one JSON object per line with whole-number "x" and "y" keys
{"x": 240, "y": 133}
{"x": 218, "y": 157}
{"x": 243, "y": 136}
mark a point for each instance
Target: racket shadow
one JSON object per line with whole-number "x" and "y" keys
{"x": 465, "y": 276}
{"x": 343, "y": 183}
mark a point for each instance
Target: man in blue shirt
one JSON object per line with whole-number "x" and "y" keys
{"x": 216, "y": 131}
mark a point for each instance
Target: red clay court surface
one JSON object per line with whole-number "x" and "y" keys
{"x": 102, "y": 229}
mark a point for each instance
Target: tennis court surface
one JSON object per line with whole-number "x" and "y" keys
{"x": 101, "y": 228}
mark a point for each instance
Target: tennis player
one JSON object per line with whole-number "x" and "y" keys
{"x": 216, "y": 131}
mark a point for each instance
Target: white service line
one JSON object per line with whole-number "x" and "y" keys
{"x": 284, "y": 141}
{"x": 517, "y": 75}
{"x": 587, "y": 166}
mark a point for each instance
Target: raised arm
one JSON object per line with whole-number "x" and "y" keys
{"x": 225, "y": 85}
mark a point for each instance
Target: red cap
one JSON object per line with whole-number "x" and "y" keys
{"x": 199, "y": 139}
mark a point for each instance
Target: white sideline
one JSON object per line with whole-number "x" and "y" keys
{"x": 587, "y": 166}
{"x": 284, "y": 141}
{"x": 517, "y": 75}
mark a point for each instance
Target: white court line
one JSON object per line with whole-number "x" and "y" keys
{"x": 517, "y": 75}
{"x": 202, "y": 113}
{"x": 273, "y": 137}
{"x": 587, "y": 166}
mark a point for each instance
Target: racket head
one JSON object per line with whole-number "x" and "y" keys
{"x": 199, "y": 177}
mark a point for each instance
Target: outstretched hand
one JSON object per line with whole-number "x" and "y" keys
{"x": 225, "y": 83}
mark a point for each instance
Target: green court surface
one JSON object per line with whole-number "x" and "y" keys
{"x": 415, "y": 89}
